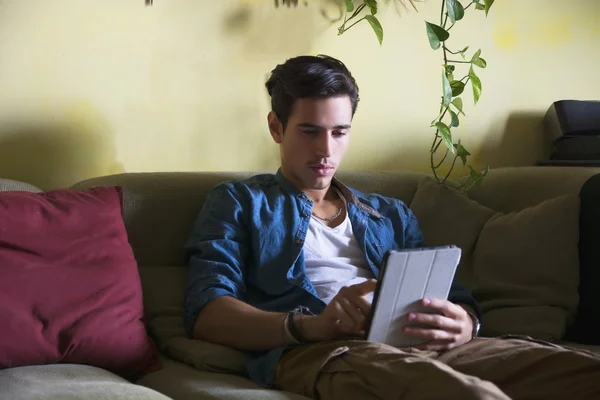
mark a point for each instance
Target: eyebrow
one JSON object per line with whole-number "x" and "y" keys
{"x": 309, "y": 125}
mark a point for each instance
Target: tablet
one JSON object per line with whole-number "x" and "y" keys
{"x": 406, "y": 277}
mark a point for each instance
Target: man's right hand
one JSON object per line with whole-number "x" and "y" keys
{"x": 344, "y": 316}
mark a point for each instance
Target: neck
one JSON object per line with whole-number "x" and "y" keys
{"x": 315, "y": 195}
{"x": 319, "y": 195}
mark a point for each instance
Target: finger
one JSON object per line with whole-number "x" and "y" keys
{"x": 360, "y": 303}
{"x": 346, "y": 322}
{"x": 354, "y": 312}
{"x": 431, "y": 334}
{"x": 446, "y": 307}
{"x": 365, "y": 287}
{"x": 436, "y": 321}
{"x": 353, "y": 296}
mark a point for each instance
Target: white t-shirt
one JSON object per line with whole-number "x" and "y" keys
{"x": 333, "y": 258}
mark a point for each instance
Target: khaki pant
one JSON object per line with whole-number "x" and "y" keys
{"x": 499, "y": 368}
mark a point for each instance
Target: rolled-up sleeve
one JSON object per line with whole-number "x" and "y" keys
{"x": 413, "y": 238}
{"x": 216, "y": 252}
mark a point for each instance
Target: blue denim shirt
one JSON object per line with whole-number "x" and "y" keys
{"x": 247, "y": 243}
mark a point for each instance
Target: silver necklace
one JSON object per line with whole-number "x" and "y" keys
{"x": 337, "y": 214}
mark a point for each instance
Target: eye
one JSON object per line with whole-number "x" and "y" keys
{"x": 339, "y": 133}
{"x": 309, "y": 131}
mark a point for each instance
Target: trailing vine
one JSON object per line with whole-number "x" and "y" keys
{"x": 451, "y": 104}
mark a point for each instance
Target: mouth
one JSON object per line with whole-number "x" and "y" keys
{"x": 322, "y": 169}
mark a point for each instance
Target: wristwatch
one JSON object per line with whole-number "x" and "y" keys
{"x": 476, "y": 324}
{"x": 293, "y": 328}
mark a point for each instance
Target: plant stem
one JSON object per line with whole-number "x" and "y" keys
{"x": 441, "y": 162}
{"x": 444, "y": 48}
{"x": 450, "y": 170}
{"x": 458, "y": 62}
{"x": 451, "y": 52}
{"x": 442, "y": 13}
{"x": 354, "y": 14}
{"x": 354, "y": 23}
{"x": 437, "y": 144}
{"x": 470, "y": 4}
{"x": 464, "y": 184}
{"x": 432, "y": 165}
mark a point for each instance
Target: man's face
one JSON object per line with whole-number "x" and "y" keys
{"x": 315, "y": 140}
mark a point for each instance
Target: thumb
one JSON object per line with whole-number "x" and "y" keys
{"x": 366, "y": 287}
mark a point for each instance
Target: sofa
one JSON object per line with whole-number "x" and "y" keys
{"x": 160, "y": 208}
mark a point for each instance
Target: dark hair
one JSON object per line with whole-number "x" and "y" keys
{"x": 309, "y": 76}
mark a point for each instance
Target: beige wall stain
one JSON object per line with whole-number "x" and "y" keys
{"x": 552, "y": 31}
{"x": 507, "y": 37}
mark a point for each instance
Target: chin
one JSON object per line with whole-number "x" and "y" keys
{"x": 322, "y": 182}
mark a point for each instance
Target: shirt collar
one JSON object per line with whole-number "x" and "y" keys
{"x": 348, "y": 194}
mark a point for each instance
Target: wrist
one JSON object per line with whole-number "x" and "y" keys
{"x": 307, "y": 324}
{"x": 295, "y": 329}
{"x": 475, "y": 323}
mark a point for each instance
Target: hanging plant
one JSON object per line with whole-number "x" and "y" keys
{"x": 451, "y": 104}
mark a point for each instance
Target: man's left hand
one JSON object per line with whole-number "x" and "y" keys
{"x": 451, "y": 329}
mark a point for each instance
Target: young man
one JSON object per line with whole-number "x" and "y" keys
{"x": 283, "y": 266}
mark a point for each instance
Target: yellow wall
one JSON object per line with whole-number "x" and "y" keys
{"x": 90, "y": 87}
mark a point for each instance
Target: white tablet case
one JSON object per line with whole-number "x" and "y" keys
{"x": 410, "y": 276}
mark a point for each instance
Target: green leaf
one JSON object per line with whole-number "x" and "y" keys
{"x": 349, "y": 5}
{"x": 458, "y": 103}
{"x": 377, "y": 28}
{"x": 455, "y": 122}
{"x": 446, "y": 135}
{"x": 436, "y": 35}
{"x": 462, "y": 153}
{"x": 488, "y": 5}
{"x": 457, "y": 88}
{"x": 456, "y": 11}
{"x": 479, "y": 6}
{"x": 477, "y": 176}
{"x": 480, "y": 62}
{"x": 447, "y": 90}
{"x": 449, "y": 71}
{"x": 372, "y": 4}
{"x": 476, "y": 84}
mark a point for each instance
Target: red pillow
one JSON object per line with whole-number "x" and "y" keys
{"x": 70, "y": 290}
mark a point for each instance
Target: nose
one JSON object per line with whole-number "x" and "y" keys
{"x": 324, "y": 145}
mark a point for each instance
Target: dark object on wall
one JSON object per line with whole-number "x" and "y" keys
{"x": 573, "y": 126}
{"x": 572, "y": 118}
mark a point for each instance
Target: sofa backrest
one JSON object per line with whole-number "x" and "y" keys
{"x": 514, "y": 189}
{"x": 160, "y": 209}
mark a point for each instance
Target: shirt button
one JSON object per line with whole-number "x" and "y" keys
{"x": 299, "y": 241}
{"x": 306, "y": 215}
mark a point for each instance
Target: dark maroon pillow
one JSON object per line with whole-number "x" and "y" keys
{"x": 70, "y": 290}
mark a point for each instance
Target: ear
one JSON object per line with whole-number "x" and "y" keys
{"x": 275, "y": 127}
